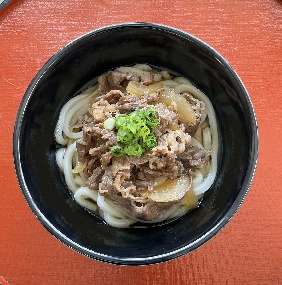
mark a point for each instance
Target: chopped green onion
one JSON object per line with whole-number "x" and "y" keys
{"x": 151, "y": 141}
{"x": 135, "y": 132}
{"x": 125, "y": 136}
{"x": 121, "y": 120}
{"x": 117, "y": 150}
{"x": 133, "y": 149}
{"x": 109, "y": 124}
{"x": 143, "y": 131}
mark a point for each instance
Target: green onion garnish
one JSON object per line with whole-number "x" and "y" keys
{"x": 109, "y": 124}
{"x": 135, "y": 132}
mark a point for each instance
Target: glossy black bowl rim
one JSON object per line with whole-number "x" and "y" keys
{"x": 155, "y": 258}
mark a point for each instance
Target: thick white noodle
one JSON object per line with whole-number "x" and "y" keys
{"x": 197, "y": 178}
{"x": 60, "y": 124}
{"x": 79, "y": 180}
{"x": 196, "y": 143}
{"x": 91, "y": 90}
{"x": 209, "y": 179}
{"x": 204, "y": 116}
{"x": 70, "y": 141}
{"x": 199, "y": 135}
{"x": 68, "y": 167}
{"x": 183, "y": 80}
{"x": 116, "y": 222}
{"x": 75, "y": 158}
{"x": 180, "y": 211}
{"x": 60, "y": 153}
{"x": 144, "y": 67}
{"x": 83, "y": 110}
{"x": 206, "y": 169}
{"x": 157, "y": 76}
{"x": 112, "y": 214}
{"x": 165, "y": 74}
{"x": 139, "y": 71}
{"x": 83, "y": 104}
{"x": 102, "y": 203}
{"x": 82, "y": 194}
{"x": 170, "y": 83}
{"x": 72, "y": 103}
{"x": 207, "y": 143}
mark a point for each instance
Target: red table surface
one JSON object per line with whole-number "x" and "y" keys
{"x": 249, "y": 35}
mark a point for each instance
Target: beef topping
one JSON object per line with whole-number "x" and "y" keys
{"x": 198, "y": 107}
{"x": 114, "y": 80}
{"x": 124, "y": 178}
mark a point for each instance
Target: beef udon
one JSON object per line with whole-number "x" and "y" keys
{"x": 141, "y": 145}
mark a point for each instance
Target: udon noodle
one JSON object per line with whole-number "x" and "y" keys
{"x": 95, "y": 200}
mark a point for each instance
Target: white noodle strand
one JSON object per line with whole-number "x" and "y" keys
{"x": 102, "y": 203}
{"x": 209, "y": 179}
{"x": 60, "y": 153}
{"x": 183, "y": 80}
{"x": 70, "y": 114}
{"x": 60, "y": 124}
{"x": 197, "y": 179}
{"x": 68, "y": 167}
{"x": 84, "y": 193}
{"x": 116, "y": 222}
{"x": 79, "y": 180}
{"x": 170, "y": 83}
{"x": 207, "y": 138}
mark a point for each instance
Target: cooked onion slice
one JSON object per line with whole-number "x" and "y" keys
{"x": 185, "y": 111}
{"x": 190, "y": 199}
{"x": 137, "y": 88}
{"x": 171, "y": 190}
{"x": 160, "y": 180}
{"x": 79, "y": 167}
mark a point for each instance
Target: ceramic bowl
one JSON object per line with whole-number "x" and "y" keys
{"x": 76, "y": 66}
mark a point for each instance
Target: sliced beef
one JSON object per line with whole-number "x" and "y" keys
{"x": 96, "y": 141}
{"x": 167, "y": 118}
{"x": 198, "y": 107}
{"x": 101, "y": 110}
{"x": 145, "y": 210}
{"x": 143, "y": 184}
{"x": 114, "y": 80}
{"x": 81, "y": 121}
{"x": 129, "y": 103}
{"x": 94, "y": 180}
{"x": 106, "y": 159}
{"x": 172, "y": 141}
{"x": 83, "y": 146}
{"x": 147, "y": 79}
{"x": 112, "y": 96}
{"x": 117, "y": 184}
{"x": 92, "y": 164}
{"x": 166, "y": 165}
{"x": 194, "y": 157}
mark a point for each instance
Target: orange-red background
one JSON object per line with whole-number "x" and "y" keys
{"x": 249, "y": 35}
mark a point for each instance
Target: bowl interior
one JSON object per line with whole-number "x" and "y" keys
{"x": 78, "y": 65}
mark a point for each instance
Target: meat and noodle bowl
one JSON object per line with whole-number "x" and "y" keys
{"x": 140, "y": 146}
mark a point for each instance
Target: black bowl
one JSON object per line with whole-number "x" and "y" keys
{"x": 74, "y": 67}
